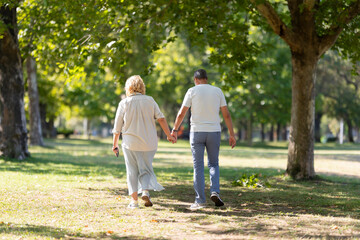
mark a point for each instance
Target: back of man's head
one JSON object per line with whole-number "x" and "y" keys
{"x": 200, "y": 74}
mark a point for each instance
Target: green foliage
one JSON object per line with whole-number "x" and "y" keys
{"x": 339, "y": 89}
{"x": 172, "y": 74}
{"x": 87, "y": 49}
{"x": 64, "y": 131}
{"x": 252, "y": 181}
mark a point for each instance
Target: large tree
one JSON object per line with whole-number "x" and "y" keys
{"x": 13, "y": 133}
{"x": 310, "y": 28}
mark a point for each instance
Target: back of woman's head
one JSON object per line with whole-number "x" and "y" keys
{"x": 134, "y": 84}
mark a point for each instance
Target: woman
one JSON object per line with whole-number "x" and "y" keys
{"x": 135, "y": 120}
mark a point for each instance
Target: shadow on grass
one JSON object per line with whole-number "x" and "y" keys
{"x": 60, "y": 233}
{"x": 67, "y": 164}
{"x": 335, "y": 197}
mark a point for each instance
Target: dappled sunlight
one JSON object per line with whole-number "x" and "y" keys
{"x": 74, "y": 189}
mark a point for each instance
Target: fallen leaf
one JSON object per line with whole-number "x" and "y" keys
{"x": 153, "y": 220}
{"x": 108, "y": 233}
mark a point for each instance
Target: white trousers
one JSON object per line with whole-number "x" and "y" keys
{"x": 139, "y": 171}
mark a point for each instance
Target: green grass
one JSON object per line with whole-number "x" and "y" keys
{"x": 76, "y": 189}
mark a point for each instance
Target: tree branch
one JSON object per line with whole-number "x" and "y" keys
{"x": 347, "y": 80}
{"x": 334, "y": 31}
{"x": 277, "y": 25}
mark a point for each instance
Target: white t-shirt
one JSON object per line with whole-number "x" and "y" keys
{"x": 135, "y": 119}
{"x": 205, "y": 102}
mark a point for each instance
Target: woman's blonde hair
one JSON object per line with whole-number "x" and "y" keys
{"x": 134, "y": 84}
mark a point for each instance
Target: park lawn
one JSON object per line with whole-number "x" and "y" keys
{"x": 76, "y": 189}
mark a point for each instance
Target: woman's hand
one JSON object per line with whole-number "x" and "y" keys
{"x": 171, "y": 139}
{"x": 174, "y": 135}
{"x": 116, "y": 150}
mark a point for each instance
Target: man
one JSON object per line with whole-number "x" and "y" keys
{"x": 205, "y": 101}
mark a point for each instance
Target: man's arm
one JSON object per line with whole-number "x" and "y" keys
{"x": 229, "y": 125}
{"x": 179, "y": 118}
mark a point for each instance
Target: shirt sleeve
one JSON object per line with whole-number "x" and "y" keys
{"x": 119, "y": 119}
{"x": 222, "y": 99}
{"x": 158, "y": 113}
{"x": 187, "y": 99}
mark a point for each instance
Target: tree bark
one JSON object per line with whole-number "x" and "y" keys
{"x": 13, "y": 133}
{"x": 34, "y": 111}
{"x": 301, "y": 141}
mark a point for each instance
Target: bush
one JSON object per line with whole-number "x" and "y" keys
{"x": 252, "y": 181}
{"x": 64, "y": 131}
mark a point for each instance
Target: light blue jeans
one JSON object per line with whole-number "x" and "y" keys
{"x": 211, "y": 141}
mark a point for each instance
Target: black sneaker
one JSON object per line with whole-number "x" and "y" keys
{"x": 216, "y": 199}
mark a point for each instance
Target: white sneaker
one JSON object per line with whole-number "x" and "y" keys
{"x": 133, "y": 204}
{"x": 146, "y": 197}
{"x": 216, "y": 199}
{"x": 196, "y": 206}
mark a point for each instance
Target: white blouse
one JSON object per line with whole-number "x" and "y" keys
{"x": 135, "y": 120}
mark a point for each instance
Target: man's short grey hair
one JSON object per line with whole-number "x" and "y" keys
{"x": 200, "y": 74}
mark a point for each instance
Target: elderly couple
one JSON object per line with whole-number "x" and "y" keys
{"x": 135, "y": 120}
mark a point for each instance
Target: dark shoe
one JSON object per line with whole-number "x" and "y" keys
{"x": 146, "y": 197}
{"x": 216, "y": 199}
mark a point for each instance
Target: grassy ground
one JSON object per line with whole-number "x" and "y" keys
{"x": 76, "y": 189}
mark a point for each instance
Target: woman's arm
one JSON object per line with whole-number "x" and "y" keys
{"x": 115, "y": 142}
{"x": 119, "y": 121}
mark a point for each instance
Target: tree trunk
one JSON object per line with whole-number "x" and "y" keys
{"x": 271, "y": 137}
{"x": 278, "y": 131}
{"x": 284, "y": 133}
{"x": 51, "y": 128}
{"x": 43, "y": 120}
{"x": 301, "y": 141}
{"x": 350, "y": 130}
{"x": 13, "y": 133}
{"x": 34, "y": 111}
{"x": 318, "y": 116}
{"x": 262, "y": 132}
{"x": 249, "y": 131}
{"x": 239, "y": 134}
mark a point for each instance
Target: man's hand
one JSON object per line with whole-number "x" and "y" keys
{"x": 174, "y": 135}
{"x": 171, "y": 139}
{"x": 232, "y": 141}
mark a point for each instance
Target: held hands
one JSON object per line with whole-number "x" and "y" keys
{"x": 170, "y": 138}
{"x": 174, "y": 135}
